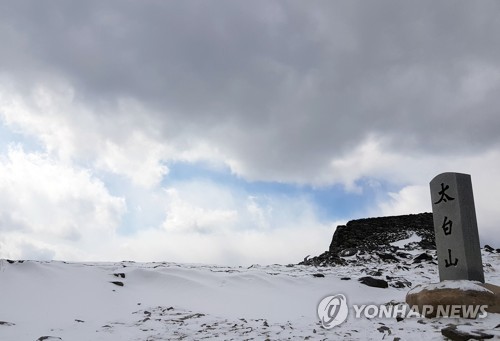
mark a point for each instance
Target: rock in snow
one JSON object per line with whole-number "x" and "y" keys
{"x": 466, "y": 296}
{"x": 464, "y": 333}
{"x": 374, "y": 282}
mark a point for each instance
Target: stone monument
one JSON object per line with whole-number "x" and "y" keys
{"x": 455, "y": 225}
{"x": 459, "y": 255}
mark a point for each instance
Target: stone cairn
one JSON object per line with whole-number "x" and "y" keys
{"x": 374, "y": 235}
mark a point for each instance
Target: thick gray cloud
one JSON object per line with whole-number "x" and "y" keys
{"x": 281, "y": 88}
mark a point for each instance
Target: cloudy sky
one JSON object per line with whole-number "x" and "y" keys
{"x": 237, "y": 132}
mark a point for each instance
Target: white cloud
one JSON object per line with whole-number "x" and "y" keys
{"x": 367, "y": 158}
{"x": 410, "y": 199}
{"x": 208, "y": 207}
{"x": 281, "y": 245}
{"x": 210, "y": 222}
{"x": 53, "y": 203}
{"x": 73, "y": 217}
{"x": 183, "y": 215}
{"x": 373, "y": 158}
{"x": 260, "y": 210}
{"x": 122, "y": 142}
{"x": 139, "y": 158}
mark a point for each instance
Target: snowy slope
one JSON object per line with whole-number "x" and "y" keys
{"x": 166, "y": 301}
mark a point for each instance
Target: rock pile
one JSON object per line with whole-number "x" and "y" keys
{"x": 371, "y": 233}
{"x": 373, "y": 236}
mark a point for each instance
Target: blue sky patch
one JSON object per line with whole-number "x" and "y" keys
{"x": 332, "y": 202}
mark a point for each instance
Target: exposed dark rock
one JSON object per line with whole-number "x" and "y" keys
{"x": 3, "y": 323}
{"x": 325, "y": 259}
{"x": 489, "y": 248}
{"x": 453, "y": 333}
{"x": 348, "y": 252}
{"x": 398, "y": 282}
{"x": 374, "y": 272}
{"x": 428, "y": 244}
{"x": 423, "y": 257}
{"x": 384, "y": 329}
{"x": 370, "y": 233}
{"x": 374, "y": 282}
{"x": 372, "y": 236}
{"x": 318, "y": 275}
{"x": 401, "y": 284}
{"x": 10, "y": 261}
{"x": 387, "y": 257}
{"x": 120, "y": 275}
{"x": 345, "y": 278}
{"x": 403, "y": 254}
{"x": 120, "y": 284}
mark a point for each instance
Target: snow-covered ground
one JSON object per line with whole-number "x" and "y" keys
{"x": 166, "y": 301}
